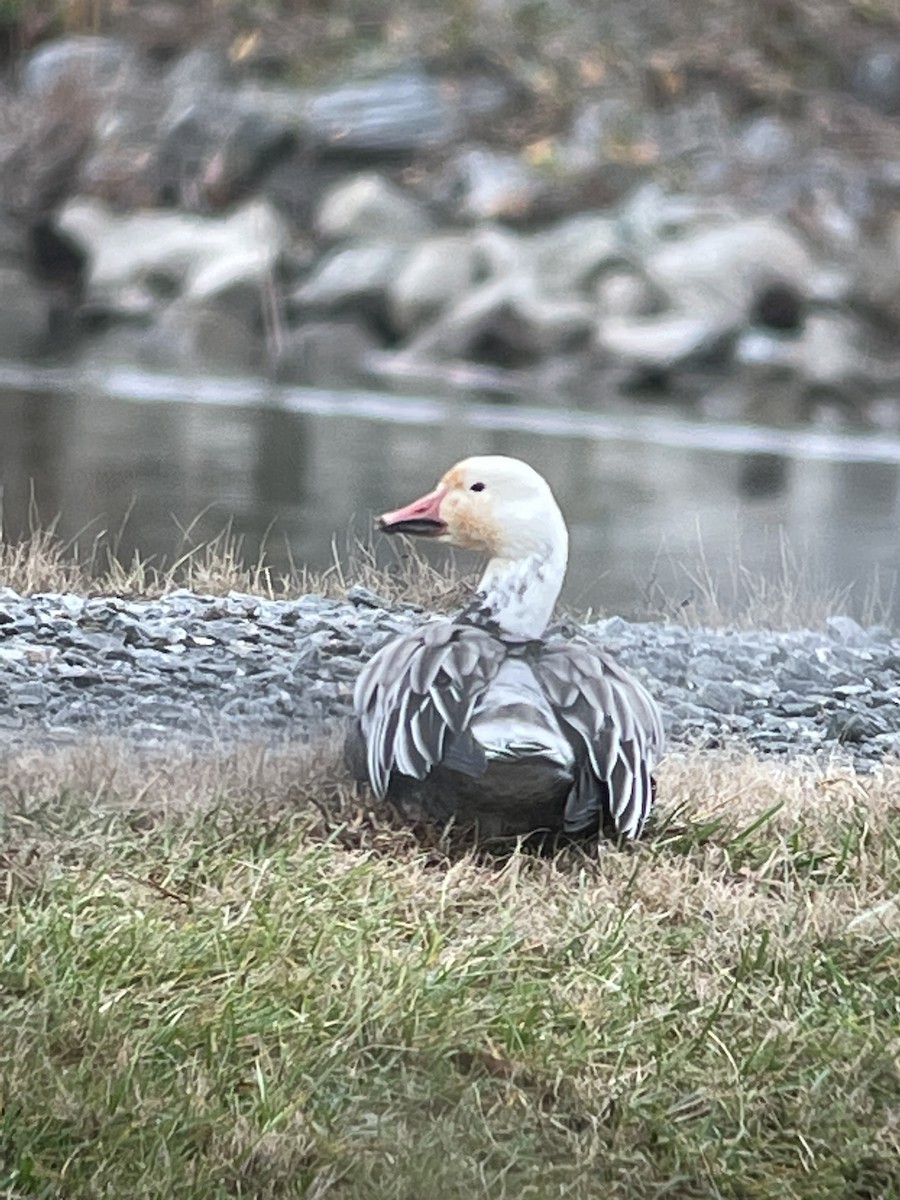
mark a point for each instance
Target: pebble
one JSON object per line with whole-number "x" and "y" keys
{"x": 222, "y": 670}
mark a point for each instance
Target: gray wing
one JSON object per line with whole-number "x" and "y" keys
{"x": 415, "y": 698}
{"x": 615, "y": 728}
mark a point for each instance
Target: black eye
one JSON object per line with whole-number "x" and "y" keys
{"x": 477, "y": 487}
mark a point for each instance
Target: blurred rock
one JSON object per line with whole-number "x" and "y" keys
{"x": 351, "y": 273}
{"x": 368, "y": 206}
{"x": 400, "y": 113}
{"x": 766, "y": 141}
{"x": 96, "y": 63}
{"x": 875, "y": 79}
{"x": 719, "y": 271}
{"x": 507, "y": 323}
{"x": 481, "y": 184}
{"x": 216, "y": 144}
{"x": 658, "y": 343}
{"x": 825, "y": 353}
{"x": 137, "y": 260}
{"x": 569, "y": 256}
{"x": 435, "y": 274}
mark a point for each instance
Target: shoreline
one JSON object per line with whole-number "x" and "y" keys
{"x": 209, "y": 672}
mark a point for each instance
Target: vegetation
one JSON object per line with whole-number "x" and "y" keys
{"x": 229, "y": 978}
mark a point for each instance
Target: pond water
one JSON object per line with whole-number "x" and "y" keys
{"x": 652, "y": 498}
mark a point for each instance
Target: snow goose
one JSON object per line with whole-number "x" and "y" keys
{"x": 482, "y": 717}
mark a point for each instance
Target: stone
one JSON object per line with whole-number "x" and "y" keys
{"x": 482, "y": 184}
{"x": 569, "y": 256}
{"x": 351, "y": 273}
{"x": 435, "y": 274}
{"x": 137, "y": 259}
{"x": 718, "y": 271}
{"x": 401, "y": 113}
{"x": 368, "y": 207}
{"x": 98, "y": 62}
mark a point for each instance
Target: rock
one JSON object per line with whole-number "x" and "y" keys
{"x": 138, "y": 258}
{"x": 24, "y": 315}
{"x": 845, "y": 629}
{"x": 350, "y": 274}
{"x": 824, "y": 354}
{"x": 658, "y": 343}
{"x": 709, "y": 282}
{"x": 253, "y": 145}
{"x": 570, "y": 255}
{"x": 481, "y": 184}
{"x": 876, "y": 78}
{"x": 324, "y": 354}
{"x": 368, "y": 206}
{"x": 99, "y": 62}
{"x": 508, "y": 320}
{"x": 624, "y": 292}
{"x": 766, "y": 141}
{"x": 434, "y": 275}
{"x": 403, "y": 112}
{"x": 719, "y": 271}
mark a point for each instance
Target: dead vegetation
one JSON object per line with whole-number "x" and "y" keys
{"x": 395, "y": 569}
{"x": 90, "y": 564}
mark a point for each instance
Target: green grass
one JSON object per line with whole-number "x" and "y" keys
{"x": 267, "y": 989}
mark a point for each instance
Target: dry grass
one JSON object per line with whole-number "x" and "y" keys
{"x": 792, "y": 597}
{"x": 398, "y": 573}
{"x": 793, "y": 594}
{"x": 230, "y": 978}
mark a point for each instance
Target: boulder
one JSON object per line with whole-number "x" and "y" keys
{"x": 97, "y": 63}
{"x": 369, "y": 206}
{"x": 351, "y": 274}
{"x": 399, "y": 113}
{"x": 569, "y": 256}
{"x": 719, "y": 271}
{"x": 435, "y": 274}
{"x": 482, "y": 185}
{"x": 139, "y": 259}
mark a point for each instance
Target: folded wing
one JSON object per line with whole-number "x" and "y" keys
{"x": 415, "y": 699}
{"x": 615, "y": 729}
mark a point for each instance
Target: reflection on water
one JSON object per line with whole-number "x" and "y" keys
{"x": 649, "y": 499}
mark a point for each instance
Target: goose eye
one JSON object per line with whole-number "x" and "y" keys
{"x": 477, "y": 487}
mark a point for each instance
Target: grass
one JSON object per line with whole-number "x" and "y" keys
{"x": 90, "y": 563}
{"x": 727, "y": 596}
{"x": 230, "y": 978}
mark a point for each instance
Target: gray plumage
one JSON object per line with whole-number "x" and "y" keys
{"x": 512, "y": 736}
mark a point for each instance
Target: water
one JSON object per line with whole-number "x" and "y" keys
{"x": 651, "y": 498}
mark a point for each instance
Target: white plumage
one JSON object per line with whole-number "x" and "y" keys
{"x": 485, "y": 718}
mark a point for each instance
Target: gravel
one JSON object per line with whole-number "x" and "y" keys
{"x": 215, "y": 671}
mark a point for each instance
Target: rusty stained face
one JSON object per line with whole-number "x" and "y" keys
{"x": 466, "y": 508}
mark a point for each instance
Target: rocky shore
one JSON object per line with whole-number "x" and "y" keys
{"x": 603, "y": 201}
{"x": 213, "y": 672}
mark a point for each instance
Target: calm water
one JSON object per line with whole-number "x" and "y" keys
{"x": 650, "y": 498}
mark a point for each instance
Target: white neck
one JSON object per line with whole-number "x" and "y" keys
{"x": 519, "y": 594}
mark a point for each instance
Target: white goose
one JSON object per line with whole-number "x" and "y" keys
{"x": 480, "y": 717}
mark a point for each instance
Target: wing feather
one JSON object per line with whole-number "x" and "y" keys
{"x": 416, "y": 691}
{"x": 615, "y": 728}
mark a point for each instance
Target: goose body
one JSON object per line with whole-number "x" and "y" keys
{"x": 484, "y": 717}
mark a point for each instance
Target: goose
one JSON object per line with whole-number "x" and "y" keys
{"x": 485, "y": 718}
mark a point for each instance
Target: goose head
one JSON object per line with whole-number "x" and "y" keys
{"x": 500, "y": 507}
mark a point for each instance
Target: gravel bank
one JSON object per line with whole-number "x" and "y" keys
{"x": 219, "y": 670}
